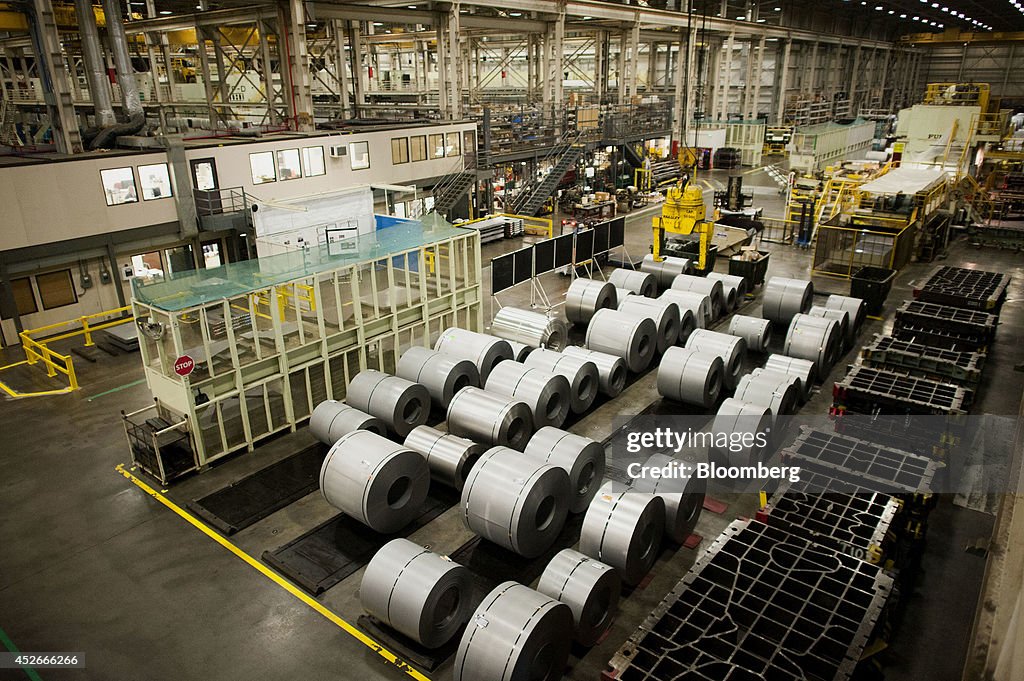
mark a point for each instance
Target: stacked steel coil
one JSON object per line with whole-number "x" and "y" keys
{"x": 730, "y": 348}
{"x": 623, "y": 529}
{"x": 611, "y": 370}
{"x": 755, "y": 331}
{"x": 737, "y": 285}
{"x": 640, "y": 283}
{"x": 332, "y": 419}
{"x": 483, "y": 350}
{"x": 801, "y": 368}
{"x": 683, "y": 496}
{"x": 399, "y": 403}
{"x": 663, "y": 313}
{"x": 665, "y": 271}
{"x": 738, "y": 416}
{"x": 699, "y": 305}
{"x": 531, "y": 328}
{"x": 581, "y": 373}
{"x": 772, "y": 389}
{"x": 449, "y": 457}
{"x": 708, "y": 287}
{"x": 855, "y": 306}
{"x": 634, "y": 339}
{"x": 847, "y": 332}
{"x": 580, "y": 457}
{"x": 441, "y": 374}
{"x": 589, "y": 587}
{"x": 587, "y": 296}
{"x": 548, "y": 394}
{"x": 690, "y": 376}
{"x": 815, "y": 339}
{"x": 484, "y": 416}
{"x": 784, "y": 298}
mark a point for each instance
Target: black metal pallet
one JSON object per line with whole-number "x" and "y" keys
{"x": 885, "y": 469}
{"x": 918, "y": 359}
{"x": 760, "y": 604}
{"x": 959, "y": 287}
{"x": 966, "y": 323}
{"x": 938, "y": 338}
{"x": 840, "y": 514}
{"x": 866, "y": 390}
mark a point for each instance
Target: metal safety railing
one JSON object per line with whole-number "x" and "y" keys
{"x": 35, "y": 344}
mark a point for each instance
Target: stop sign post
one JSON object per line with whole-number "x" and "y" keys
{"x": 184, "y": 365}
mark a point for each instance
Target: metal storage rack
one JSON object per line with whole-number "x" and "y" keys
{"x": 760, "y": 603}
{"x": 944, "y": 326}
{"x": 959, "y": 287}
{"x": 924, "y": 361}
{"x": 865, "y": 390}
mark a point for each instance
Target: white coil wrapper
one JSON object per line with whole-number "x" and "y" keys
{"x": 516, "y": 634}
{"x": 516, "y": 501}
{"x": 580, "y": 457}
{"x": 665, "y": 271}
{"x": 547, "y": 393}
{"x": 755, "y": 331}
{"x": 708, "y": 287}
{"x": 587, "y": 296}
{"x": 332, "y": 419}
{"x": 483, "y": 350}
{"x": 449, "y": 457}
{"x": 801, "y": 368}
{"x": 532, "y": 328}
{"x": 483, "y": 416}
{"x": 584, "y": 381}
{"x": 640, "y": 283}
{"x": 854, "y": 306}
{"x": 590, "y": 588}
{"x": 624, "y": 529}
{"x": 730, "y": 348}
{"x": 441, "y": 374}
{"x": 417, "y": 592}
{"x": 401, "y": 404}
{"x": 772, "y": 389}
{"x": 519, "y": 350}
{"x": 634, "y": 339}
{"x": 664, "y": 313}
{"x": 698, "y": 304}
{"x": 730, "y": 282}
{"x": 737, "y": 416}
{"x": 784, "y": 298}
{"x": 842, "y": 317}
{"x": 815, "y": 339}
{"x": 690, "y": 376}
{"x": 375, "y": 481}
{"x": 611, "y": 370}
{"x": 683, "y": 497}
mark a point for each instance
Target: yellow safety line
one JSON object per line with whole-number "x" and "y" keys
{"x": 276, "y": 578}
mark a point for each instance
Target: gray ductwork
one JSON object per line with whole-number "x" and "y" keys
{"x": 130, "y": 102}
{"x": 99, "y": 85}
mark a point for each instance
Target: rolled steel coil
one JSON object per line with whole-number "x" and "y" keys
{"x": 801, "y": 368}
{"x": 417, "y": 592}
{"x": 624, "y": 529}
{"x": 784, "y": 298}
{"x": 699, "y": 305}
{"x": 738, "y": 416}
{"x": 515, "y": 634}
{"x": 708, "y": 287}
{"x": 379, "y": 483}
{"x": 640, "y": 283}
{"x": 815, "y": 339}
{"x": 483, "y": 350}
{"x": 400, "y": 403}
{"x": 611, "y": 370}
{"x": 548, "y": 394}
{"x": 580, "y": 457}
{"x": 855, "y": 306}
{"x": 441, "y": 374}
{"x": 519, "y": 350}
{"x": 587, "y": 296}
{"x": 623, "y": 293}
{"x": 483, "y": 416}
{"x": 729, "y": 281}
{"x": 663, "y": 313}
{"x": 590, "y": 588}
{"x": 332, "y": 419}
{"x": 634, "y": 339}
{"x": 730, "y": 348}
{"x": 687, "y": 325}
{"x": 846, "y": 328}
{"x": 532, "y": 328}
{"x": 516, "y": 501}
{"x": 584, "y": 381}
{"x": 770, "y": 389}
{"x": 755, "y": 331}
{"x": 665, "y": 271}
{"x": 690, "y": 376}
{"x": 449, "y": 457}
{"x": 683, "y": 497}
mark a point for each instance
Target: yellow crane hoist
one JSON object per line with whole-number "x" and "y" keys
{"x": 684, "y": 214}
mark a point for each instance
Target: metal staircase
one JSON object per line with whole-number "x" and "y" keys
{"x": 451, "y": 188}
{"x": 533, "y": 196}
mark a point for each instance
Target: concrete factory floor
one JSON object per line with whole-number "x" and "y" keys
{"x": 90, "y": 563}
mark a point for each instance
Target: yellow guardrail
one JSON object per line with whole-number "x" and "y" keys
{"x": 35, "y": 344}
{"x": 537, "y": 226}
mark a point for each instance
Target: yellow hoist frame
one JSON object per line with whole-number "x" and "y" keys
{"x": 684, "y": 213}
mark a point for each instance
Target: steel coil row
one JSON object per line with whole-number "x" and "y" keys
{"x": 441, "y": 374}
{"x": 483, "y": 350}
{"x": 690, "y": 376}
{"x": 634, "y": 339}
{"x": 587, "y": 296}
{"x": 784, "y": 298}
{"x": 666, "y": 270}
{"x": 530, "y": 328}
{"x": 640, "y": 283}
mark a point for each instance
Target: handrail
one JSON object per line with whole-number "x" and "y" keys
{"x": 568, "y": 140}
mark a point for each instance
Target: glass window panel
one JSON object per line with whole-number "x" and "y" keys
{"x": 262, "y": 166}
{"x": 437, "y": 146}
{"x": 313, "y": 157}
{"x": 452, "y": 148}
{"x": 155, "y": 181}
{"x": 419, "y": 148}
{"x": 119, "y": 186}
{"x": 359, "y": 152}
{"x": 288, "y": 167}
{"x": 24, "y": 299}
{"x": 399, "y": 150}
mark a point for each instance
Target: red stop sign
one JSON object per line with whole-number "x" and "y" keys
{"x": 184, "y": 365}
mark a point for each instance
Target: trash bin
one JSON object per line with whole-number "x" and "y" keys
{"x": 872, "y": 284}
{"x": 753, "y": 271}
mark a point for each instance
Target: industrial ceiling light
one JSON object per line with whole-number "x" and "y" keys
{"x": 165, "y": 11}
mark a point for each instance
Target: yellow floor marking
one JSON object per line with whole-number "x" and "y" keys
{"x": 276, "y": 578}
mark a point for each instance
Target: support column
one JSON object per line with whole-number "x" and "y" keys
{"x": 680, "y": 87}
{"x": 782, "y": 78}
{"x": 726, "y": 76}
{"x": 297, "y": 53}
{"x": 454, "y": 62}
{"x": 620, "y": 78}
{"x": 54, "y": 76}
{"x": 633, "y": 65}
{"x": 441, "y": 31}
{"x": 340, "y": 71}
{"x": 812, "y": 80}
{"x": 854, "y": 80}
{"x": 355, "y": 60}
{"x": 600, "y": 65}
{"x": 755, "y": 105}
{"x": 557, "y": 64}
{"x": 204, "y": 69}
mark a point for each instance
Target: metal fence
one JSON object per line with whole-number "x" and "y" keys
{"x": 841, "y": 251}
